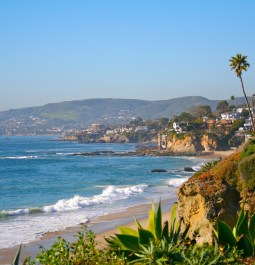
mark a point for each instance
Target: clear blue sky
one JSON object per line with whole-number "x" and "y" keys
{"x": 56, "y": 50}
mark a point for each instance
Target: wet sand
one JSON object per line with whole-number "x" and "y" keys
{"x": 103, "y": 226}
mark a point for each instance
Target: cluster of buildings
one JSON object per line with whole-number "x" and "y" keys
{"x": 225, "y": 119}
{"x": 103, "y": 132}
{"x": 33, "y": 125}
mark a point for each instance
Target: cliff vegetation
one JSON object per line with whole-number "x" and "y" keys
{"x": 218, "y": 191}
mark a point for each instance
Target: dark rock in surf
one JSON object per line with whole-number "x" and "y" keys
{"x": 158, "y": 170}
{"x": 189, "y": 169}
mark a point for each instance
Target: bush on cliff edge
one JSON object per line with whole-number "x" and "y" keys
{"x": 247, "y": 171}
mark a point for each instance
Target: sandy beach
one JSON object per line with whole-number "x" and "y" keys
{"x": 217, "y": 155}
{"x": 103, "y": 226}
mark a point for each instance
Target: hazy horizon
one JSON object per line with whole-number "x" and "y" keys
{"x": 150, "y": 50}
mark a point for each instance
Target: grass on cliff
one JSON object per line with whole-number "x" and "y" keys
{"x": 238, "y": 169}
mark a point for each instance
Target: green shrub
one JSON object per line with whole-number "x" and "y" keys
{"x": 209, "y": 255}
{"x": 206, "y": 167}
{"x": 248, "y": 150}
{"x": 247, "y": 170}
{"x": 82, "y": 251}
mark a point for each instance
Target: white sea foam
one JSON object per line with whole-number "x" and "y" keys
{"x": 197, "y": 168}
{"x": 109, "y": 194}
{"x": 24, "y": 230}
{"x": 176, "y": 182}
{"x": 57, "y": 217}
{"x": 19, "y": 157}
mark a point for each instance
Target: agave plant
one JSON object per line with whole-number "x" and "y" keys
{"x": 139, "y": 243}
{"x": 16, "y": 259}
{"x": 242, "y": 236}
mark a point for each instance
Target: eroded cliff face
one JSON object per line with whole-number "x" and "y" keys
{"x": 188, "y": 143}
{"x": 212, "y": 195}
{"x": 208, "y": 143}
{"x": 184, "y": 144}
{"x": 200, "y": 207}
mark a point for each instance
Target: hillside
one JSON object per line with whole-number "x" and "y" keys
{"x": 81, "y": 113}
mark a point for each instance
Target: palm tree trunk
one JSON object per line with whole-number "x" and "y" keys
{"x": 247, "y": 102}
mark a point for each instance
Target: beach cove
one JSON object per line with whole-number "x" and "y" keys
{"x": 55, "y": 190}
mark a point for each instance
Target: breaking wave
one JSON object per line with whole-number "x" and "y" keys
{"x": 109, "y": 194}
{"x": 176, "y": 182}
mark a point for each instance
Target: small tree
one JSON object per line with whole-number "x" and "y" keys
{"x": 200, "y": 111}
{"x": 222, "y": 106}
{"x": 240, "y": 64}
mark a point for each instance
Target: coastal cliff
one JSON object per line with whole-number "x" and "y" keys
{"x": 217, "y": 192}
{"x": 191, "y": 143}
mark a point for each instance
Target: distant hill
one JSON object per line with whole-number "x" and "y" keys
{"x": 80, "y": 113}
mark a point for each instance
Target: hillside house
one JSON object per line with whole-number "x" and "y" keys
{"x": 230, "y": 116}
{"x": 178, "y": 127}
{"x": 247, "y": 124}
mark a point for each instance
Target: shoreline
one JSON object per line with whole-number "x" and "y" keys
{"x": 217, "y": 155}
{"x": 102, "y": 226}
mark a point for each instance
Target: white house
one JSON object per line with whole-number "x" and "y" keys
{"x": 247, "y": 124}
{"x": 230, "y": 116}
{"x": 177, "y": 127}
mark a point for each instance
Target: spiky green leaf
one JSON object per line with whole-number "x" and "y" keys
{"x": 165, "y": 232}
{"x": 243, "y": 226}
{"x": 173, "y": 215}
{"x": 158, "y": 225}
{"x": 245, "y": 245}
{"x": 128, "y": 231}
{"x": 145, "y": 236}
{"x": 115, "y": 243}
{"x": 130, "y": 242}
{"x": 252, "y": 228}
{"x": 137, "y": 223}
{"x": 176, "y": 231}
{"x": 239, "y": 221}
{"x": 225, "y": 235}
{"x": 16, "y": 259}
{"x": 152, "y": 219}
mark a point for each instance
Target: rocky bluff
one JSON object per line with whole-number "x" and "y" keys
{"x": 218, "y": 191}
{"x": 191, "y": 143}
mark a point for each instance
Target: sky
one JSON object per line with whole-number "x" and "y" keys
{"x": 59, "y": 50}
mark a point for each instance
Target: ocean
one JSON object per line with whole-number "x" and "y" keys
{"x": 43, "y": 187}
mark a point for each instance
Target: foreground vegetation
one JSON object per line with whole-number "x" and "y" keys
{"x": 158, "y": 244}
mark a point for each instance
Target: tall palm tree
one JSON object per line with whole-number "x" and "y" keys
{"x": 240, "y": 64}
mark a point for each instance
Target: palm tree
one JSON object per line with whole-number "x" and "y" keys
{"x": 240, "y": 64}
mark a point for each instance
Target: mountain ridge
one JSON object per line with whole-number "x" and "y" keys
{"x": 81, "y": 113}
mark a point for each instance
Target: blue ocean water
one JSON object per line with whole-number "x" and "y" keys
{"x": 44, "y": 188}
